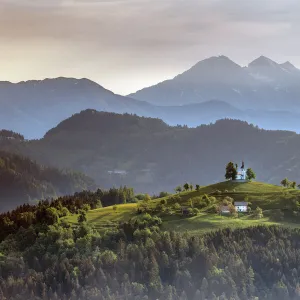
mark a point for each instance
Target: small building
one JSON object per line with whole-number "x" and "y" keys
{"x": 117, "y": 172}
{"x": 224, "y": 209}
{"x": 241, "y": 206}
{"x": 241, "y": 174}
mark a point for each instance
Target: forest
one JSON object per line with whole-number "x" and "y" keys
{"x": 24, "y": 181}
{"x": 43, "y": 257}
{"x": 151, "y": 156}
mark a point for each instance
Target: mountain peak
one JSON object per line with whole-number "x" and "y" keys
{"x": 288, "y": 66}
{"x": 221, "y": 59}
{"x": 263, "y": 61}
{"x": 210, "y": 68}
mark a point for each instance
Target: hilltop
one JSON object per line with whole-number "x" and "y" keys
{"x": 279, "y": 205}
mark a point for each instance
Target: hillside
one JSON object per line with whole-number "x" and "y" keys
{"x": 24, "y": 181}
{"x": 49, "y": 258}
{"x": 151, "y": 156}
{"x": 279, "y": 205}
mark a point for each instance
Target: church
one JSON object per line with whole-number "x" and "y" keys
{"x": 241, "y": 175}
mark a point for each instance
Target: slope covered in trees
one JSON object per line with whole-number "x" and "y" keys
{"x": 151, "y": 156}
{"x": 24, "y": 181}
{"x": 53, "y": 260}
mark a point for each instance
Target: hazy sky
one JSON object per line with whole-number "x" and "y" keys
{"x": 128, "y": 44}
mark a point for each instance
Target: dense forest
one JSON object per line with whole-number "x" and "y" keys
{"x": 151, "y": 156}
{"x": 46, "y": 258}
{"x": 8, "y": 134}
{"x": 24, "y": 181}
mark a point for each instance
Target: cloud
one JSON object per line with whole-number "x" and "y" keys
{"x": 109, "y": 40}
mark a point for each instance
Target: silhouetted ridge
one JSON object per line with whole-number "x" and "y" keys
{"x": 99, "y": 122}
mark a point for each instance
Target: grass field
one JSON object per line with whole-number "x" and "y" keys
{"x": 268, "y": 197}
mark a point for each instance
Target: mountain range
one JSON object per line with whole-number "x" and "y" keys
{"x": 151, "y": 156}
{"x": 265, "y": 93}
{"x": 263, "y": 85}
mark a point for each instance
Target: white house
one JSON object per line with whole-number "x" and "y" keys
{"x": 241, "y": 206}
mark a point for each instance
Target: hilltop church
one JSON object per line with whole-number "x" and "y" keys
{"x": 241, "y": 175}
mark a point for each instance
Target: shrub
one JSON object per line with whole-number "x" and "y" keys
{"x": 177, "y": 206}
{"x": 163, "y": 201}
{"x": 86, "y": 207}
{"x": 257, "y": 213}
{"x": 173, "y": 199}
{"x": 82, "y": 216}
{"x": 196, "y": 200}
{"x": 190, "y": 211}
{"x": 133, "y": 200}
{"x": 277, "y": 216}
{"x": 64, "y": 212}
{"x": 212, "y": 199}
{"x": 214, "y": 209}
{"x": 206, "y": 199}
{"x": 160, "y": 207}
{"x": 202, "y": 204}
{"x": 196, "y": 211}
{"x": 228, "y": 200}
{"x": 163, "y": 194}
{"x": 140, "y": 196}
{"x": 169, "y": 211}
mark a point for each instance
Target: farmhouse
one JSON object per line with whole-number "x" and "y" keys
{"x": 224, "y": 209}
{"x": 241, "y": 206}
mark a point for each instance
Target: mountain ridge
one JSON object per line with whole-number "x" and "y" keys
{"x": 152, "y": 152}
{"x": 263, "y": 84}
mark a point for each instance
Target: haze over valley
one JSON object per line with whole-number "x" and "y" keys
{"x": 149, "y": 150}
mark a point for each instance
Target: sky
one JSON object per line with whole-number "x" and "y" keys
{"x": 126, "y": 45}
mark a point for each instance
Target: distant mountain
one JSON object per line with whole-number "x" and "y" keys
{"x": 34, "y": 107}
{"x": 24, "y": 181}
{"x": 263, "y": 85}
{"x": 151, "y": 156}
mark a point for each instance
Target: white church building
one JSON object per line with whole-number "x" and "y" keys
{"x": 241, "y": 174}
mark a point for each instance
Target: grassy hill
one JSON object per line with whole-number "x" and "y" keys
{"x": 272, "y": 199}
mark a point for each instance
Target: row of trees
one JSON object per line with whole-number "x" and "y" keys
{"x": 48, "y": 212}
{"x": 187, "y": 187}
{"x": 289, "y": 184}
